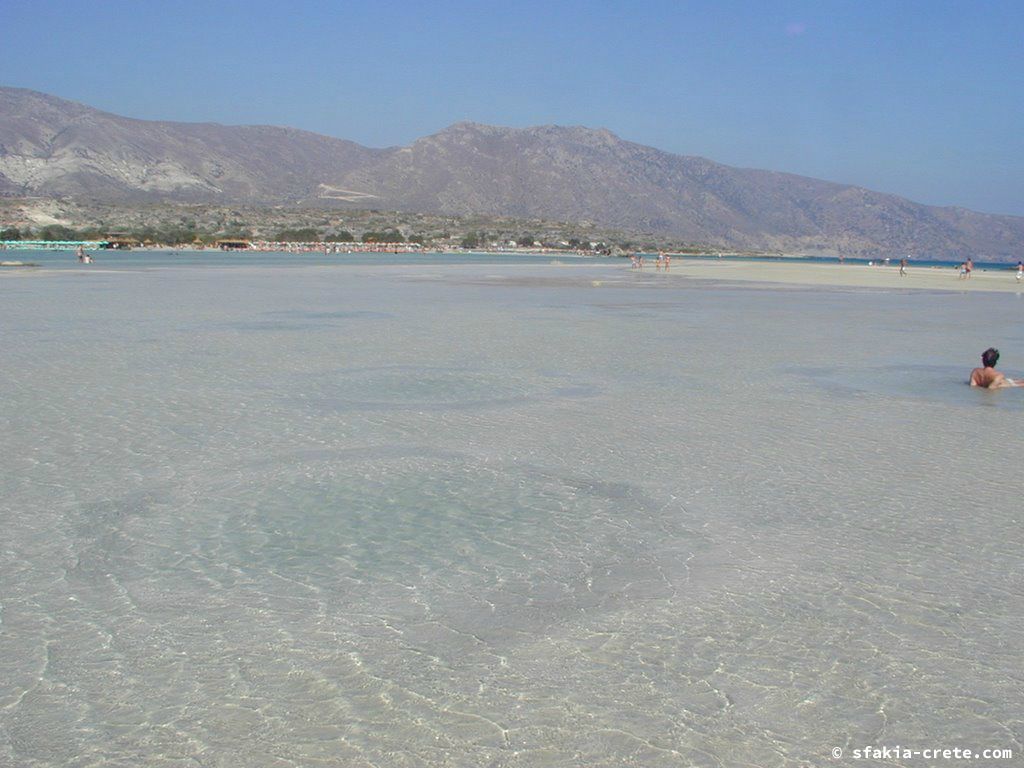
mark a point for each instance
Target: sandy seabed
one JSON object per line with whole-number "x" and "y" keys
{"x": 520, "y": 516}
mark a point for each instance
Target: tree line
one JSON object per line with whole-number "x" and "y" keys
{"x": 187, "y": 232}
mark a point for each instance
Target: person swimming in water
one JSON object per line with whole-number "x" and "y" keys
{"x": 987, "y": 376}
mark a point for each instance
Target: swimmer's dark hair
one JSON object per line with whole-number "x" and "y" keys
{"x": 990, "y": 357}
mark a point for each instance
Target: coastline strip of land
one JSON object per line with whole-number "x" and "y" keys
{"x": 847, "y": 275}
{"x": 780, "y": 273}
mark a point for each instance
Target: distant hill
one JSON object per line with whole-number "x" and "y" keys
{"x": 52, "y": 147}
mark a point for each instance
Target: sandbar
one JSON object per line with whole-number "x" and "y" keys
{"x": 847, "y": 275}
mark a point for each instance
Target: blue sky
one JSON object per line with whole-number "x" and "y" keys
{"x": 921, "y": 99}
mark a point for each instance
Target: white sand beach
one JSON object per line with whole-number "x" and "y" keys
{"x": 847, "y": 275}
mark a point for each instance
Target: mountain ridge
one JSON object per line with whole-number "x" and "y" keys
{"x": 53, "y": 148}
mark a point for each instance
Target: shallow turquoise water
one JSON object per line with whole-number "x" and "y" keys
{"x": 143, "y": 259}
{"x": 107, "y": 259}
{"x": 510, "y": 515}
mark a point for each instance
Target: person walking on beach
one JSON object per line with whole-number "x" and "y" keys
{"x": 963, "y": 270}
{"x": 969, "y": 265}
{"x": 987, "y": 376}
{"x": 903, "y": 267}
{"x": 1020, "y": 271}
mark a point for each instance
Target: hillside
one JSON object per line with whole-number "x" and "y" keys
{"x": 51, "y": 147}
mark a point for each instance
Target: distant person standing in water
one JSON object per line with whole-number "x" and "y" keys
{"x": 987, "y": 376}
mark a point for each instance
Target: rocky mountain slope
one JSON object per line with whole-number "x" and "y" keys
{"x": 52, "y": 147}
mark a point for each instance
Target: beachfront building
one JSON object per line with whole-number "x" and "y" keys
{"x": 233, "y": 245}
{"x": 121, "y": 241}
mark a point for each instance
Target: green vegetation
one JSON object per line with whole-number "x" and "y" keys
{"x": 386, "y": 236}
{"x": 57, "y": 232}
{"x": 171, "y": 234}
{"x": 177, "y": 224}
{"x": 304, "y": 235}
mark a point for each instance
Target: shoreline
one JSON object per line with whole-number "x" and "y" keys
{"x": 797, "y": 273}
{"x": 817, "y": 274}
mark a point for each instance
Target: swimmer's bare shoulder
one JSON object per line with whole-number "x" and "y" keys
{"x": 990, "y": 379}
{"x": 981, "y": 377}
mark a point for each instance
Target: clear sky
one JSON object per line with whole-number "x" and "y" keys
{"x": 921, "y": 99}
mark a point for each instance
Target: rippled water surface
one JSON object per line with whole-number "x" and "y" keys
{"x": 487, "y": 515}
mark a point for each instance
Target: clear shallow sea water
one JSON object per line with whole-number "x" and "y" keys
{"x": 215, "y": 258}
{"x": 143, "y": 259}
{"x": 501, "y": 515}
